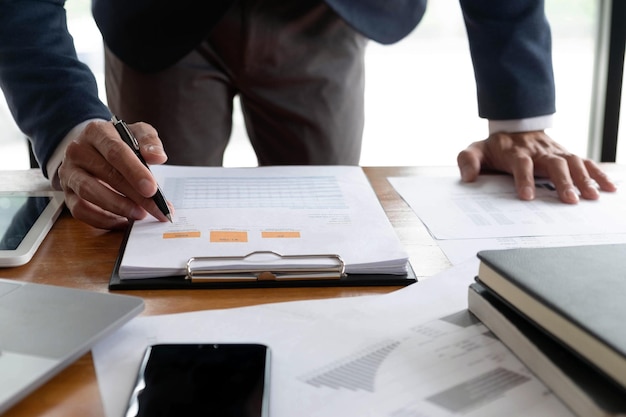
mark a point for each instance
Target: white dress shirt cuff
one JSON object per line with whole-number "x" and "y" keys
{"x": 57, "y": 157}
{"x": 521, "y": 125}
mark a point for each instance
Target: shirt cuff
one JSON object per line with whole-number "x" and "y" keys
{"x": 521, "y": 125}
{"x": 59, "y": 153}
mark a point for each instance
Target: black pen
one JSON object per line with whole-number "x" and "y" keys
{"x": 131, "y": 141}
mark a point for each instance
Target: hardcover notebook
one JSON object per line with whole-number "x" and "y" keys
{"x": 265, "y": 226}
{"x": 45, "y": 328}
{"x": 577, "y": 294}
{"x": 583, "y": 388}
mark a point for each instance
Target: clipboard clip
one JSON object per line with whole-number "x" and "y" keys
{"x": 265, "y": 266}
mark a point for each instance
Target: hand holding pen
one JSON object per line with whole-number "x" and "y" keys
{"x": 104, "y": 181}
{"x": 130, "y": 140}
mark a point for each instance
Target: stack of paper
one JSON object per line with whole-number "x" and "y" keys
{"x": 288, "y": 210}
{"x": 413, "y": 352}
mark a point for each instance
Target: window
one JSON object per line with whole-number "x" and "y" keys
{"x": 420, "y": 93}
{"x": 421, "y": 98}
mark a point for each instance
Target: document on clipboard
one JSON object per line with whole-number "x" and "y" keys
{"x": 280, "y": 223}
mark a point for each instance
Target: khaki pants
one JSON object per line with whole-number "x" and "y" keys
{"x": 297, "y": 67}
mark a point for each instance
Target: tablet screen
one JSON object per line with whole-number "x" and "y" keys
{"x": 18, "y": 214}
{"x": 25, "y": 219}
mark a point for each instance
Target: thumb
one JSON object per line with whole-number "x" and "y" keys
{"x": 469, "y": 161}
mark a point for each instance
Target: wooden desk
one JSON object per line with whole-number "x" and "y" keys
{"x": 79, "y": 256}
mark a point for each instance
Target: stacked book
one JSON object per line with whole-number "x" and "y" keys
{"x": 562, "y": 311}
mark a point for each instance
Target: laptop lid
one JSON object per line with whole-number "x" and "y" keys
{"x": 45, "y": 328}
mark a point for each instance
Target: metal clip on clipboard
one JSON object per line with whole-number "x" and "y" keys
{"x": 265, "y": 266}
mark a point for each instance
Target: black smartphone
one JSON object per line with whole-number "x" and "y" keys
{"x": 221, "y": 380}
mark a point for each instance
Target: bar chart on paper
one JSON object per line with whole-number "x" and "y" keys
{"x": 357, "y": 373}
{"x": 310, "y": 192}
{"x": 435, "y": 351}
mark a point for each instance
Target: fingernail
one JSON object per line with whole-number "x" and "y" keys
{"x": 146, "y": 188}
{"x": 465, "y": 172}
{"x": 593, "y": 192}
{"x": 137, "y": 213}
{"x": 571, "y": 195}
{"x": 155, "y": 150}
{"x": 527, "y": 193}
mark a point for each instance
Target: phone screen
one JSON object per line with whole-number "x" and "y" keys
{"x": 221, "y": 380}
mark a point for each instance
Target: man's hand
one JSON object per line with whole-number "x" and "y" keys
{"x": 529, "y": 154}
{"x": 105, "y": 184}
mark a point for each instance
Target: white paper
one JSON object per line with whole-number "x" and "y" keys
{"x": 467, "y": 218}
{"x": 460, "y": 250}
{"x": 287, "y": 209}
{"x": 413, "y": 352}
{"x": 490, "y": 208}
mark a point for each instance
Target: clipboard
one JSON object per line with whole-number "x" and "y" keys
{"x": 200, "y": 277}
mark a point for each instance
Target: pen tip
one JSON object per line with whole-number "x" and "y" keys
{"x": 169, "y": 217}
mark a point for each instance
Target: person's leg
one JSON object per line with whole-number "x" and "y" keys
{"x": 190, "y": 105}
{"x": 297, "y": 66}
{"x": 301, "y": 78}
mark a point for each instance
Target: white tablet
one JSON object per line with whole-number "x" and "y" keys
{"x": 25, "y": 219}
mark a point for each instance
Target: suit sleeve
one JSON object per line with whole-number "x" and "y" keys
{"x": 48, "y": 90}
{"x": 510, "y": 44}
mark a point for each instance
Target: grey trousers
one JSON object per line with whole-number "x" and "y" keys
{"x": 297, "y": 67}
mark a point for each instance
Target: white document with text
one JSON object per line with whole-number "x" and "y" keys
{"x": 467, "y": 218}
{"x": 413, "y": 352}
{"x": 289, "y": 210}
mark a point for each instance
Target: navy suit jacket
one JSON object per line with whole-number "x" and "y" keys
{"x": 49, "y": 91}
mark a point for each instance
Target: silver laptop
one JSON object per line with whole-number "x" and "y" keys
{"x": 45, "y": 328}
